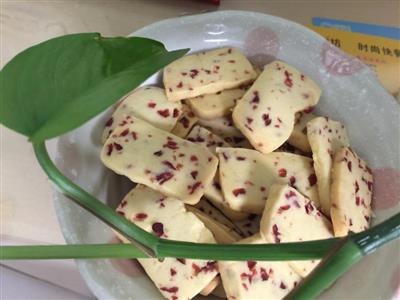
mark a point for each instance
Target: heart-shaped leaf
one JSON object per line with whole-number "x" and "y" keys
{"x": 58, "y": 85}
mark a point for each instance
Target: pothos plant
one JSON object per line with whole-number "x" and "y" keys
{"x": 56, "y": 86}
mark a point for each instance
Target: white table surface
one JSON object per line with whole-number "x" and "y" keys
{"x": 26, "y": 209}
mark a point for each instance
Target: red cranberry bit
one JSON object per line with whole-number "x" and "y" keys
{"x": 196, "y": 269}
{"x": 240, "y": 158}
{"x": 282, "y": 172}
{"x": 172, "y": 290}
{"x": 194, "y": 174}
{"x": 182, "y": 260}
{"x": 180, "y": 84}
{"x": 276, "y": 233}
{"x": 140, "y": 216}
{"x": 266, "y": 119}
{"x": 238, "y": 191}
{"x": 283, "y": 208}
{"x": 194, "y": 187}
{"x": 171, "y": 145}
{"x": 158, "y": 153}
{"x": 193, "y": 73}
{"x": 251, "y": 264}
{"x": 158, "y": 228}
{"x": 302, "y": 77}
{"x": 164, "y": 177}
{"x": 309, "y": 208}
{"x": 169, "y": 164}
{"x": 356, "y": 186}
{"x": 309, "y": 109}
{"x": 151, "y": 104}
{"x": 264, "y": 274}
{"x": 193, "y": 158}
{"x": 110, "y": 148}
{"x": 312, "y": 179}
{"x": 283, "y": 286}
{"x": 110, "y": 122}
{"x": 172, "y": 271}
{"x": 134, "y": 135}
{"x": 358, "y": 201}
{"x": 185, "y": 122}
{"x": 175, "y": 114}
{"x": 123, "y": 203}
{"x": 256, "y": 97}
{"x": 118, "y": 146}
{"x": 288, "y": 81}
{"x": 350, "y": 222}
{"x": 225, "y": 156}
{"x": 249, "y": 120}
{"x": 366, "y": 218}
{"x": 163, "y": 113}
{"x": 125, "y": 132}
{"x": 349, "y": 165}
{"x": 121, "y": 213}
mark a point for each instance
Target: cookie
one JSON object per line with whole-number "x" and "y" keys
{"x": 290, "y": 217}
{"x": 160, "y": 160}
{"x": 217, "y": 105}
{"x": 207, "y": 72}
{"x": 246, "y": 176}
{"x": 266, "y": 113}
{"x": 224, "y": 128}
{"x": 222, "y": 233}
{"x": 211, "y": 141}
{"x": 351, "y": 193}
{"x": 243, "y": 280}
{"x": 325, "y": 136}
{"x": 149, "y": 104}
{"x": 167, "y": 218}
{"x": 298, "y": 138}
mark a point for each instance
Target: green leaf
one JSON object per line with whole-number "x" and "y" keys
{"x": 58, "y": 85}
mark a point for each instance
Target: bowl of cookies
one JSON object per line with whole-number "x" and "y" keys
{"x": 263, "y": 133}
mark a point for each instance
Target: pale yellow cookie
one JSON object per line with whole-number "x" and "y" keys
{"x": 325, "y": 136}
{"x": 148, "y": 103}
{"x": 245, "y": 280}
{"x": 266, "y": 113}
{"x": 298, "y": 138}
{"x": 207, "y": 73}
{"x": 290, "y": 217}
{"x": 224, "y": 128}
{"x": 222, "y": 233}
{"x": 246, "y": 176}
{"x": 167, "y": 218}
{"x": 217, "y": 105}
{"x": 160, "y": 160}
{"x": 351, "y": 193}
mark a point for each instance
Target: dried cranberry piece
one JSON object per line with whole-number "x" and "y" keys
{"x": 158, "y": 228}
{"x": 109, "y": 122}
{"x": 164, "y": 177}
{"x": 140, "y": 216}
{"x": 163, "y": 113}
{"x": 239, "y": 191}
{"x": 312, "y": 179}
{"x": 282, "y": 172}
{"x": 173, "y": 289}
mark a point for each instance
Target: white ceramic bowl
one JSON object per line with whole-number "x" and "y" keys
{"x": 350, "y": 93}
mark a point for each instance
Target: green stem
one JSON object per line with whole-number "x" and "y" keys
{"x": 287, "y": 251}
{"x": 346, "y": 253}
{"x": 71, "y": 252}
{"x": 137, "y": 236}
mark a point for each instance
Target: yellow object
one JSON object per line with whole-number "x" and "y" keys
{"x": 381, "y": 54}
